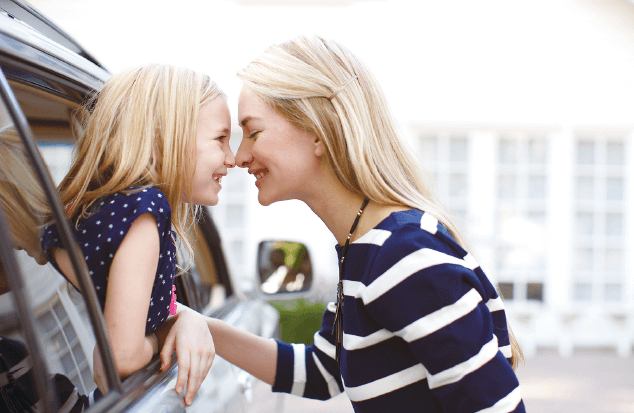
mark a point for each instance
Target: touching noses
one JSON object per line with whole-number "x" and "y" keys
{"x": 244, "y": 156}
{"x": 230, "y": 159}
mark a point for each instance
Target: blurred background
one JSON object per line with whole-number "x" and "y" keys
{"x": 523, "y": 115}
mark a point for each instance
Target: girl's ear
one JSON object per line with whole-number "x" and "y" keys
{"x": 320, "y": 149}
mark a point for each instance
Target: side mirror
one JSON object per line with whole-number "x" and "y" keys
{"x": 284, "y": 267}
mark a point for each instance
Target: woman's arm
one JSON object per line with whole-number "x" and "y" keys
{"x": 248, "y": 351}
{"x": 188, "y": 334}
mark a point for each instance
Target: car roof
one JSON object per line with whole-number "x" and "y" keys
{"x": 27, "y": 37}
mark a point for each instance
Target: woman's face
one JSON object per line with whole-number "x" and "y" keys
{"x": 213, "y": 154}
{"x": 283, "y": 158}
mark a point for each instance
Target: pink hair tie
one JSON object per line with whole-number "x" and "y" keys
{"x": 173, "y": 302}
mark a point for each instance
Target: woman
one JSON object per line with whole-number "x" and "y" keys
{"x": 418, "y": 326}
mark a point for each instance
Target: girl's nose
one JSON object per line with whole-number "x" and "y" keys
{"x": 244, "y": 156}
{"x": 230, "y": 159}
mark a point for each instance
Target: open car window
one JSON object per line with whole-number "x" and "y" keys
{"x": 63, "y": 332}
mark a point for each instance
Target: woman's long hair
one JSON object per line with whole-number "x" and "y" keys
{"x": 140, "y": 131}
{"x": 322, "y": 88}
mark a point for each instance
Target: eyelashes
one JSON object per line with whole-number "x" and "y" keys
{"x": 253, "y": 135}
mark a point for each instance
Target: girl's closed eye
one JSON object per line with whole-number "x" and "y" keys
{"x": 253, "y": 135}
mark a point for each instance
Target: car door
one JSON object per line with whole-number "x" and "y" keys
{"x": 56, "y": 325}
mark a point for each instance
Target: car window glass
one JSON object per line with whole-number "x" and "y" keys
{"x": 59, "y": 310}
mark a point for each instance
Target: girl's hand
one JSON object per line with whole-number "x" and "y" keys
{"x": 195, "y": 351}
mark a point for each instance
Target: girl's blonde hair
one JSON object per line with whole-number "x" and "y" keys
{"x": 140, "y": 131}
{"x": 21, "y": 196}
{"x": 321, "y": 87}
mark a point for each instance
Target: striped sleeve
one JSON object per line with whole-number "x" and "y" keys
{"x": 425, "y": 289}
{"x": 310, "y": 371}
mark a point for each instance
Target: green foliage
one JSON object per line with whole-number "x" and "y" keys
{"x": 299, "y": 319}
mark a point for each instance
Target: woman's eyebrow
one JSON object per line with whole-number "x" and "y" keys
{"x": 247, "y": 119}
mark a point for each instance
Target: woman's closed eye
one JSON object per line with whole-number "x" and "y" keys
{"x": 253, "y": 135}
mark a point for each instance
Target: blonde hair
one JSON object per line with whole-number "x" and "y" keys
{"x": 140, "y": 131}
{"x": 310, "y": 81}
{"x": 21, "y": 196}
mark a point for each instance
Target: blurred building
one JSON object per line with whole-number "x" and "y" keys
{"x": 548, "y": 214}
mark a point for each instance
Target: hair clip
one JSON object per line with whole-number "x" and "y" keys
{"x": 341, "y": 87}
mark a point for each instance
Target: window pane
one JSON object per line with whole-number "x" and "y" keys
{"x": 507, "y": 151}
{"x": 582, "y": 292}
{"x": 584, "y": 259}
{"x": 458, "y": 185}
{"x": 534, "y": 291}
{"x": 614, "y": 224}
{"x": 585, "y": 188}
{"x": 506, "y": 290}
{"x": 585, "y": 223}
{"x": 613, "y": 259}
{"x": 65, "y": 341}
{"x": 614, "y": 188}
{"x": 612, "y": 292}
{"x": 537, "y": 218}
{"x": 506, "y": 186}
{"x": 537, "y": 151}
{"x": 537, "y": 187}
{"x": 615, "y": 152}
{"x": 585, "y": 152}
{"x": 458, "y": 150}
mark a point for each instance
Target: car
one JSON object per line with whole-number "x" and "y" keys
{"x": 45, "y": 76}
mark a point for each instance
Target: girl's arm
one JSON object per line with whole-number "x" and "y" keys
{"x": 130, "y": 282}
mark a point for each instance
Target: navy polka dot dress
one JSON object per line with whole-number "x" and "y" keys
{"x": 100, "y": 235}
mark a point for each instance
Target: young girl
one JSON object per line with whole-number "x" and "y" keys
{"x": 155, "y": 143}
{"x": 418, "y": 327}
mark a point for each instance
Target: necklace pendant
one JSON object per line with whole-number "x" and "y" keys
{"x": 337, "y": 327}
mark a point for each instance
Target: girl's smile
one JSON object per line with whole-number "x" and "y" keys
{"x": 213, "y": 154}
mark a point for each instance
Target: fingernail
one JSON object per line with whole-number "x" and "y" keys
{"x": 188, "y": 402}
{"x": 179, "y": 390}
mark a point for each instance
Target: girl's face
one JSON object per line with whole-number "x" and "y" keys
{"x": 213, "y": 154}
{"x": 283, "y": 158}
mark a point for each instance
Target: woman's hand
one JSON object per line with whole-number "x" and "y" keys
{"x": 195, "y": 351}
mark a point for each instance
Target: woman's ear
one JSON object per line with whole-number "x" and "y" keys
{"x": 320, "y": 150}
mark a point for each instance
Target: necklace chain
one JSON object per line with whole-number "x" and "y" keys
{"x": 337, "y": 327}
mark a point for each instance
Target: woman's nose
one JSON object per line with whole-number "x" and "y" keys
{"x": 243, "y": 155}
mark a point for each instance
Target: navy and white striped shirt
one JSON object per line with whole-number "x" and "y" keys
{"x": 424, "y": 329}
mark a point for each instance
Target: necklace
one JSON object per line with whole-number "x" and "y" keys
{"x": 337, "y": 327}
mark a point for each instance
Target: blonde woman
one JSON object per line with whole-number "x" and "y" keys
{"x": 155, "y": 144}
{"x": 417, "y": 327}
